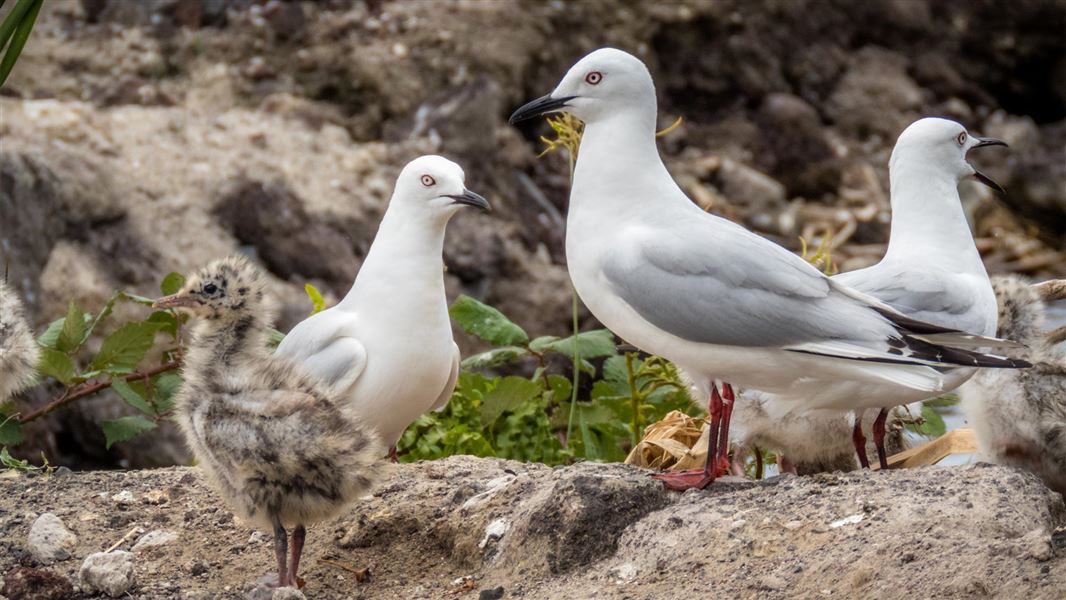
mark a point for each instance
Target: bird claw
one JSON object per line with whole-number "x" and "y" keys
{"x": 685, "y": 480}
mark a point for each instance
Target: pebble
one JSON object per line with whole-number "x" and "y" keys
{"x": 124, "y": 497}
{"x": 154, "y": 539}
{"x": 494, "y": 531}
{"x": 491, "y": 594}
{"x": 107, "y": 572}
{"x": 50, "y": 540}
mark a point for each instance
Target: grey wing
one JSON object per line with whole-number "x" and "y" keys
{"x": 731, "y": 289}
{"x": 919, "y": 294}
{"x": 446, "y": 394}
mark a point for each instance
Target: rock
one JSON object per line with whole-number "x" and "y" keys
{"x": 124, "y": 497}
{"x": 794, "y": 147}
{"x": 108, "y": 572}
{"x": 491, "y": 594}
{"x": 24, "y": 583}
{"x": 50, "y": 540}
{"x": 875, "y": 97}
{"x": 287, "y": 593}
{"x": 154, "y": 539}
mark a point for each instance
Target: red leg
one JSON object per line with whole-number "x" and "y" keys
{"x": 723, "y": 436}
{"x": 859, "y": 441}
{"x": 879, "y": 437}
{"x": 699, "y": 478}
{"x": 393, "y": 457}
{"x": 281, "y": 549}
{"x": 758, "y": 462}
{"x": 784, "y": 465}
{"x": 298, "y": 535}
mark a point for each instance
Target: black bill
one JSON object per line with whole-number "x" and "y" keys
{"x": 982, "y": 142}
{"x": 979, "y": 176}
{"x": 470, "y": 199}
{"x": 538, "y": 107}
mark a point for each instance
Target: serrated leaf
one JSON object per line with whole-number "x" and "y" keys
{"x": 50, "y": 337}
{"x": 589, "y": 344}
{"x": 172, "y": 283}
{"x": 123, "y": 349}
{"x": 496, "y": 356}
{"x": 318, "y": 303}
{"x": 166, "y": 387}
{"x": 934, "y": 425}
{"x": 73, "y": 332}
{"x": 126, "y": 428}
{"x": 131, "y": 396}
{"x": 56, "y": 364}
{"x": 486, "y": 323}
{"x": 507, "y": 395}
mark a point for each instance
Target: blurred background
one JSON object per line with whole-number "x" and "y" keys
{"x": 142, "y": 137}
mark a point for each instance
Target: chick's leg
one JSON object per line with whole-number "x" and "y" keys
{"x": 298, "y": 535}
{"x": 281, "y": 551}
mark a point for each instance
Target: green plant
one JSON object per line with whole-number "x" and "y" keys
{"x": 114, "y": 365}
{"x": 14, "y": 31}
{"x": 533, "y": 418}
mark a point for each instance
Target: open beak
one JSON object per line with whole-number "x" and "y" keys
{"x": 979, "y": 176}
{"x": 175, "y": 301}
{"x": 538, "y": 107}
{"x": 470, "y": 199}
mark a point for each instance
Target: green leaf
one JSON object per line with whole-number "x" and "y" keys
{"x": 73, "y": 332}
{"x": 131, "y": 396}
{"x": 172, "y": 283}
{"x": 541, "y": 343}
{"x": 507, "y": 395}
{"x": 166, "y": 386}
{"x": 934, "y": 425}
{"x": 10, "y": 430}
{"x": 274, "y": 338}
{"x": 317, "y": 301}
{"x": 496, "y": 356}
{"x": 167, "y": 321}
{"x": 589, "y": 344}
{"x": 123, "y": 349}
{"x": 486, "y": 323}
{"x": 56, "y": 364}
{"x": 23, "y": 26}
{"x": 125, "y": 428}
{"x": 560, "y": 387}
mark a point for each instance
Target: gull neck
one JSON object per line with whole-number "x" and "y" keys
{"x": 927, "y": 216}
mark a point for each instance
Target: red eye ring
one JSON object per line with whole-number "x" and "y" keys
{"x": 593, "y": 77}
{"x": 961, "y": 138}
{"x": 428, "y": 181}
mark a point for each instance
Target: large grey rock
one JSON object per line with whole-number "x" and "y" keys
{"x": 50, "y": 540}
{"x": 108, "y": 572}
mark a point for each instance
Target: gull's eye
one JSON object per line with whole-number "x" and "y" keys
{"x": 210, "y": 288}
{"x": 593, "y": 77}
{"x": 961, "y": 139}
{"x": 428, "y": 181}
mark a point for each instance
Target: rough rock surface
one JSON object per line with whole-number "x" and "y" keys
{"x": 466, "y": 527}
{"x": 49, "y": 539}
{"x": 107, "y": 572}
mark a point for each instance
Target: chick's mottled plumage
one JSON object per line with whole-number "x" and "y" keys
{"x": 1019, "y": 417}
{"x": 18, "y": 349}
{"x": 270, "y": 437}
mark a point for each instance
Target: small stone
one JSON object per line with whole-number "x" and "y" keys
{"x": 124, "y": 497}
{"x": 154, "y": 539}
{"x": 61, "y": 472}
{"x": 155, "y": 497}
{"x": 773, "y": 582}
{"x": 624, "y": 573}
{"x": 494, "y": 531}
{"x": 107, "y": 572}
{"x": 50, "y": 540}
{"x": 793, "y": 525}
{"x": 24, "y": 583}
{"x": 287, "y": 593}
{"x": 197, "y": 567}
{"x": 491, "y": 594}
{"x": 1037, "y": 544}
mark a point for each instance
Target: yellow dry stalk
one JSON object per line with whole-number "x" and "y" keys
{"x": 568, "y": 130}
{"x": 822, "y": 258}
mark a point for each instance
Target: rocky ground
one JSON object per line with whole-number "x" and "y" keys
{"x": 465, "y": 527}
{"x": 145, "y": 137}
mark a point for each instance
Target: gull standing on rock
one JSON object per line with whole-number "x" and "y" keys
{"x": 1019, "y": 417}
{"x": 387, "y": 347}
{"x": 18, "y": 349}
{"x": 270, "y": 438}
{"x": 706, "y": 293}
{"x": 931, "y": 271}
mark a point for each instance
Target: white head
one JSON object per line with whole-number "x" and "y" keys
{"x": 603, "y": 83}
{"x": 942, "y": 144}
{"x": 434, "y": 185}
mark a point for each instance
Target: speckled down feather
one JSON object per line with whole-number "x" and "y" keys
{"x": 18, "y": 349}
{"x": 1019, "y": 417}
{"x": 269, "y": 437}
